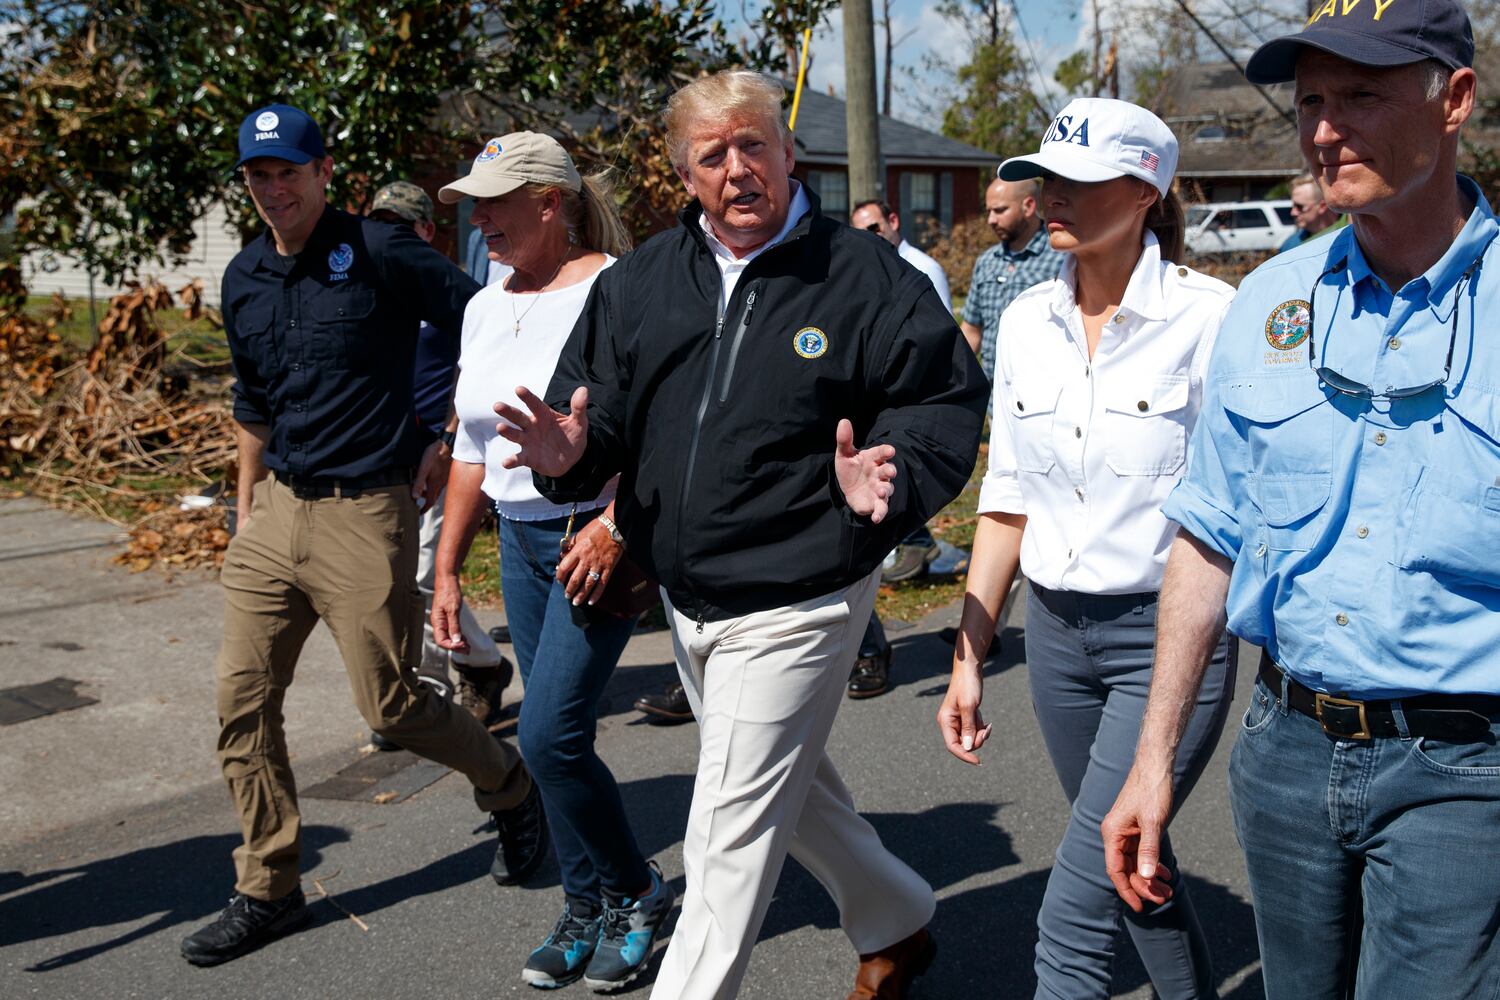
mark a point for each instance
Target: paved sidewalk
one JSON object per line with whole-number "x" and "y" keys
{"x": 115, "y": 829}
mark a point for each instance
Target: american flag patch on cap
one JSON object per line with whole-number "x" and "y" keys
{"x": 1150, "y": 160}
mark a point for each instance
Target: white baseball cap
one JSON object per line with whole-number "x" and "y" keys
{"x": 1098, "y": 139}
{"x": 511, "y": 161}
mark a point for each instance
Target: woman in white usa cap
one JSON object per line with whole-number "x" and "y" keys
{"x": 1098, "y": 382}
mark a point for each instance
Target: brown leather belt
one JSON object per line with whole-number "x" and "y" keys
{"x": 1457, "y": 718}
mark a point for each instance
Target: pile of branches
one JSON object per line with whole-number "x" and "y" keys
{"x": 108, "y": 431}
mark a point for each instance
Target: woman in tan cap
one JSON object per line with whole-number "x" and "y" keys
{"x": 556, "y": 231}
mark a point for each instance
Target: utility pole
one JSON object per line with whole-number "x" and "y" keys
{"x": 866, "y": 178}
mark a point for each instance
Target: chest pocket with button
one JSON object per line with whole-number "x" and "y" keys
{"x": 253, "y": 340}
{"x": 1288, "y": 425}
{"x": 341, "y": 334}
{"x": 1449, "y": 526}
{"x": 1147, "y": 427}
{"x": 1032, "y": 411}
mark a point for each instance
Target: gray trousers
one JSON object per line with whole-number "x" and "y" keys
{"x": 1090, "y": 667}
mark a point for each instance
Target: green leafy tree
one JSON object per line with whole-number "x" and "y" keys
{"x": 992, "y": 104}
{"x": 118, "y": 118}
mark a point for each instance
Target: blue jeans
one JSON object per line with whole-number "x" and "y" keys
{"x": 565, "y": 669}
{"x": 1089, "y": 660}
{"x": 1374, "y": 864}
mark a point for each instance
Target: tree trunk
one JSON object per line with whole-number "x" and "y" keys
{"x": 866, "y": 179}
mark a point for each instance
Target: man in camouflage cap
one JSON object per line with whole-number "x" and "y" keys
{"x": 483, "y": 673}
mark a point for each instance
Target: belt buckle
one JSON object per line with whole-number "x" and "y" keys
{"x": 1320, "y": 699}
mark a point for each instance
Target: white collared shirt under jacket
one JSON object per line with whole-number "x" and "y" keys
{"x": 1089, "y": 449}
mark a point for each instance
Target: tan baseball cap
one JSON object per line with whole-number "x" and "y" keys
{"x": 511, "y": 161}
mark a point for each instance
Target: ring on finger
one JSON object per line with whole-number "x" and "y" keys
{"x": 593, "y": 574}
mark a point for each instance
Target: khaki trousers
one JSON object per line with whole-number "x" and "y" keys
{"x": 765, "y": 689}
{"x": 350, "y": 561}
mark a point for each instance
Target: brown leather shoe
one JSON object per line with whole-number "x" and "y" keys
{"x": 887, "y": 974}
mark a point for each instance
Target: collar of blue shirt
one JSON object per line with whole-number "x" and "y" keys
{"x": 1440, "y": 278}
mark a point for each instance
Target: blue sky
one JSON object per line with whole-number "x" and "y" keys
{"x": 1054, "y": 28}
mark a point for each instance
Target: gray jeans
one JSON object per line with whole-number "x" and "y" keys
{"x": 1090, "y": 667}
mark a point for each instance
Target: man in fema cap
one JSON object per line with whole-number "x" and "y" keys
{"x": 321, "y": 314}
{"x": 1342, "y": 500}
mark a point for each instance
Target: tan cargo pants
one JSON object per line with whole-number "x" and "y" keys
{"x": 350, "y": 561}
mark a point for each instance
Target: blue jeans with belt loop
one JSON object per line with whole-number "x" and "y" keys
{"x": 1374, "y": 864}
{"x": 1089, "y": 661}
{"x": 565, "y": 668}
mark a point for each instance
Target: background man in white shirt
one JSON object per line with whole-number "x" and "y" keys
{"x": 878, "y": 217}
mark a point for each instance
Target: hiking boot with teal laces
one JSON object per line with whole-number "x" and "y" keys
{"x": 561, "y": 958}
{"x": 626, "y": 934}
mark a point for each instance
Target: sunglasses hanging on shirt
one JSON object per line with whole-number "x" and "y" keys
{"x": 1348, "y": 386}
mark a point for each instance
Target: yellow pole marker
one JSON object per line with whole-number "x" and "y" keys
{"x": 801, "y": 79}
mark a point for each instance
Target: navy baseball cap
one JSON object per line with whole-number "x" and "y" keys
{"x": 281, "y": 131}
{"x": 1372, "y": 33}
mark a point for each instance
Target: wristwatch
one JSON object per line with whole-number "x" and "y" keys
{"x": 613, "y": 529}
{"x": 448, "y": 437}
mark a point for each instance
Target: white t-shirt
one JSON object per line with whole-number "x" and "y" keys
{"x": 1089, "y": 449}
{"x": 929, "y": 267}
{"x": 494, "y": 358}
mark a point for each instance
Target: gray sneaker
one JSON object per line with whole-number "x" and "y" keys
{"x": 626, "y": 934}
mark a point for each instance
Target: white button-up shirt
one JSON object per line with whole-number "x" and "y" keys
{"x": 730, "y": 266}
{"x": 934, "y": 271}
{"x": 1088, "y": 449}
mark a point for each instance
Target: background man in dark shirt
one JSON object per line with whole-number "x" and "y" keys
{"x": 483, "y": 672}
{"x": 321, "y": 314}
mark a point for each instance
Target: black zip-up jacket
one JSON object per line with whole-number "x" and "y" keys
{"x": 722, "y": 428}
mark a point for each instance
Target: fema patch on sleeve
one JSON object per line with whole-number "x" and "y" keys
{"x": 810, "y": 342}
{"x": 1289, "y": 324}
{"x": 266, "y": 121}
{"x": 340, "y": 259}
{"x": 490, "y": 151}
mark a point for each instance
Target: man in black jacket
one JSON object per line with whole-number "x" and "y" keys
{"x": 725, "y": 370}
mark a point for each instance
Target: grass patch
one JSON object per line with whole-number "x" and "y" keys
{"x": 199, "y": 340}
{"x": 481, "y": 572}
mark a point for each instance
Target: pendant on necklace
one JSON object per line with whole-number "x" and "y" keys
{"x": 518, "y": 329}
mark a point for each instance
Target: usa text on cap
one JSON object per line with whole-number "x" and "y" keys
{"x": 1098, "y": 139}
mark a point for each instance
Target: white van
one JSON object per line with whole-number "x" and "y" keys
{"x": 1230, "y": 227}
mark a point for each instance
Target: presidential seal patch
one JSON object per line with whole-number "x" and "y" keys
{"x": 1288, "y": 325}
{"x": 810, "y": 342}
{"x": 490, "y": 151}
{"x": 341, "y": 258}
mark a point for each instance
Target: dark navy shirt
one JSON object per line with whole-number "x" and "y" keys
{"x": 436, "y": 369}
{"x": 323, "y": 344}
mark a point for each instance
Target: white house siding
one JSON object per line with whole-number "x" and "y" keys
{"x": 216, "y": 244}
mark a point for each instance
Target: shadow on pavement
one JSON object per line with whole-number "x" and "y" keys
{"x": 184, "y": 881}
{"x": 919, "y": 658}
{"x": 923, "y": 840}
{"x": 987, "y": 941}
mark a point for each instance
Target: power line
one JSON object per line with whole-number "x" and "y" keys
{"x": 1035, "y": 65}
{"x": 1224, "y": 49}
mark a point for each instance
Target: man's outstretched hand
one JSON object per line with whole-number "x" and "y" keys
{"x": 864, "y": 476}
{"x": 551, "y": 443}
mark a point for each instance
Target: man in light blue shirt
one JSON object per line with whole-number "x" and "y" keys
{"x": 1342, "y": 502}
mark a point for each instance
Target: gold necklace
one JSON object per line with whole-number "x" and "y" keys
{"x": 536, "y": 296}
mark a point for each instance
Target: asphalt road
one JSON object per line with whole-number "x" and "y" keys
{"x": 115, "y": 831}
